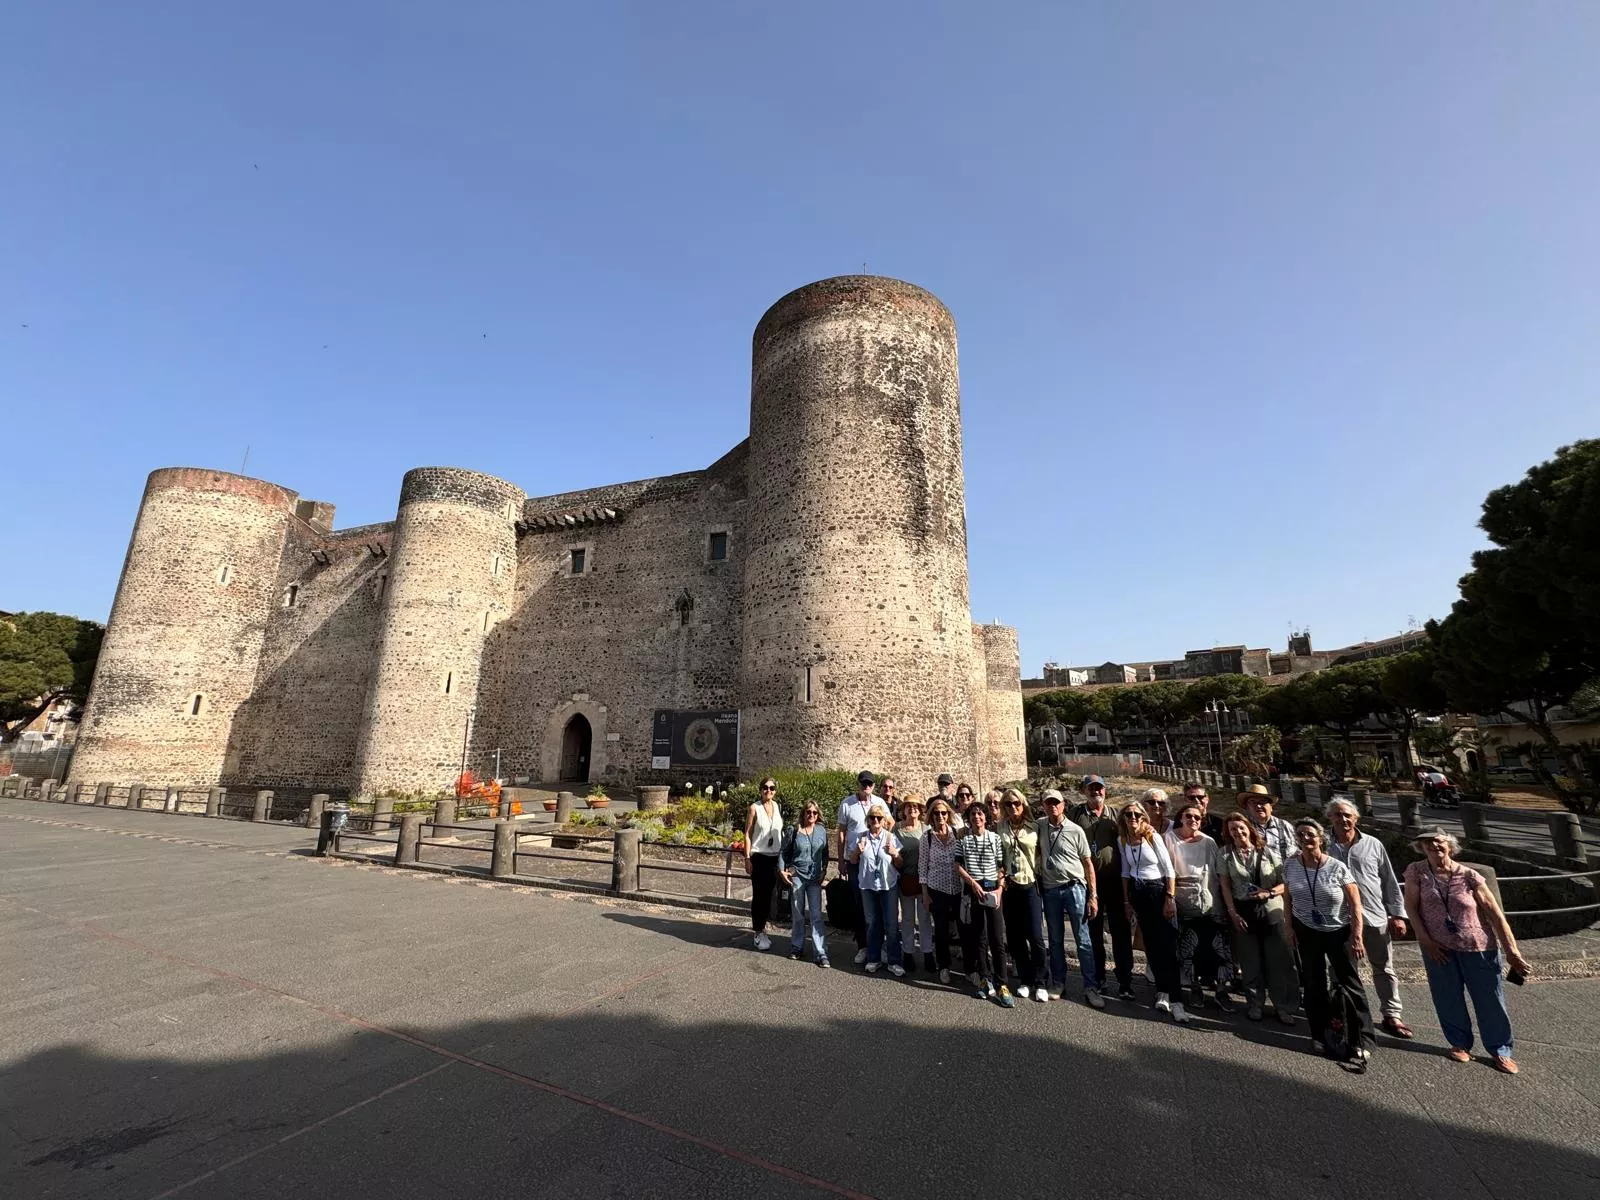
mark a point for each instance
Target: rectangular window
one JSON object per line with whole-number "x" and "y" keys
{"x": 577, "y": 562}
{"x": 291, "y": 595}
{"x": 719, "y": 547}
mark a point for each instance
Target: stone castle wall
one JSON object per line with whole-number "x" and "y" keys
{"x": 838, "y": 624}
{"x": 857, "y": 641}
{"x": 184, "y": 640}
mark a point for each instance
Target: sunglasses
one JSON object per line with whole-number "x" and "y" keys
{"x": 1190, "y": 818}
{"x": 1135, "y": 816}
{"x": 964, "y": 795}
{"x": 810, "y": 812}
{"x": 871, "y": 820}
{"x": 1053, "y": 803}
{"x": 769, "y": 787}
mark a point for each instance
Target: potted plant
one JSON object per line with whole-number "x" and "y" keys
{"x": 597, "y": 797}
{"x": 550, "y": 804}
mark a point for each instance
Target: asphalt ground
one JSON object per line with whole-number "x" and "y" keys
{"x": 202, "y": 1009}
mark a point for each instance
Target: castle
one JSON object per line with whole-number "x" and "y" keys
{"x": 804, "y": 598}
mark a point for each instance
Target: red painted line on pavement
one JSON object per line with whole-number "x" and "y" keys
{"x": 552, "y": 1089}
{"x": 304, "y": 1129}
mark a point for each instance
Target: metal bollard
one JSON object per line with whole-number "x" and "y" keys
{"x": 625, "y": 861}
{"x": 263, "y": 806}
{"x": 503, "y": 862}
{"x": 408, "y": 848}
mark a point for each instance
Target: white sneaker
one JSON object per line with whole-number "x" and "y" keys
{"x": 763, "y": 942}
{"x": 861, "y": 956}
{"x": 1022, "y": 992}
{"x": 944, "y": 975}
{"x": 1042, "y": 996}
{"x": 897, "y": 970}
{"x": 1163, "y": 1003}
{"x": 1178, "y": 1015}
{"x": 872, "y": 968}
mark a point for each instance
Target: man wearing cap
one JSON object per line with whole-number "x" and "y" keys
{"x": 1383, "y": 905}
{"x": 1070, "y": 887}
{"x": 852, "y": 827}
{"x": 1100, "y": 829}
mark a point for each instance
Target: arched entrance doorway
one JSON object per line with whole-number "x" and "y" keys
{"x": 576, "y": 741}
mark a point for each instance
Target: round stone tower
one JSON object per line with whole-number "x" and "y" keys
{"x": 452, "y": 575}
{"x": 857, "y": 648}
{"x": 1005, "y": 745}
{"x": 184, "y": 639}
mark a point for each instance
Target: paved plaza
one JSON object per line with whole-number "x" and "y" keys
{"x": 200, "y": 1008}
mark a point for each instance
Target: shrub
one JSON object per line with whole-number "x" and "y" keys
{"x": 825, "y": 789}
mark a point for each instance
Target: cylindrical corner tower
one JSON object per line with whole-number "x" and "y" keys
{"x": 451, "y": 580}
{"x": 857, "y": 648}
{"x": 184, "y": 640}
{"x": 1006, "y": 744}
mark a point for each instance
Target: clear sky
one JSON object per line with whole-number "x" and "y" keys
{"x": 1256, "y": 300}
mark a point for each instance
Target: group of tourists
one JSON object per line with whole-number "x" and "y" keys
{"x": 1240, "y": 909}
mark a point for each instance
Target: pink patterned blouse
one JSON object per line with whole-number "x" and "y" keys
{"x": 1449, "y": 907}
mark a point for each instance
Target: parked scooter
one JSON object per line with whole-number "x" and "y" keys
{"x": 1441, "y": 793}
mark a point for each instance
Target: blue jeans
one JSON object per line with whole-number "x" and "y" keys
{"x": 805, "y": 901}
{"x": 1474, "y": 973}
{"x": 882, "y": 916}
{"x": 1060, "y": 905}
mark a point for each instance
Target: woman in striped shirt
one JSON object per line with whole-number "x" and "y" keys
{"x": 1326, "y": 927}
{"x": 941, "y": 886}
{"x": 983, "y": 934}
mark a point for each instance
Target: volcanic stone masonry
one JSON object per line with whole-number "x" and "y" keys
{"x": 813, "y": 579}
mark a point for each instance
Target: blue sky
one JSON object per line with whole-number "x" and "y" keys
{"x": 1256, "y": 301}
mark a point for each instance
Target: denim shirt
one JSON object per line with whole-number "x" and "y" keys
{"x": 805, "y": 854}
{"x": 876, "y": 871}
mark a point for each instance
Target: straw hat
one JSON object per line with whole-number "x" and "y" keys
{"x": 1256, "y": 789}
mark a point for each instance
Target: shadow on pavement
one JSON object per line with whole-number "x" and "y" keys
{"x": 678, "y": 1105}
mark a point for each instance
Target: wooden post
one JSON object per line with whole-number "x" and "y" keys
{"x": 214, "y": 800}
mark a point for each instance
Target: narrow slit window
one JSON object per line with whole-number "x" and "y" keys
{"x": 577, "y": 562}
{"x": 497, "y": 565}
{"x": 225, "y": 574}
{"x": 197, "y": 704}
{"x": 808, "y": 685}
{"x": 486, "y": 620}
{"x": 449, "y": 682}
{"x": 291, "y": 595}
{"x": 377, "y": 589}
{"x": 719, "y": 547}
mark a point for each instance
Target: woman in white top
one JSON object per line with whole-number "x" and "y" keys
{"x": 1205, "y": 959}
{"x": 1325, "y": 907}
{"x": 763, "y": 837}
{"x": 1148, "y": 885}
{"x": 877, "y": 855}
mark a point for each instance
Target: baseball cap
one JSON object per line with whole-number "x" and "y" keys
{"x": 864, "y": 778}
{"x": 1053, "y": 794}
{"x": 1091, "y": 780}
{"x": 945, "y": 780}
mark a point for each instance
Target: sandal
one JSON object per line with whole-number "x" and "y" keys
{"x": 1456, "y": 1054}
{"x": 1396, "y": 1027}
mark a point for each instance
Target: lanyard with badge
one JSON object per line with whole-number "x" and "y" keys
{"x": 1444, "y": 899}
{"x": 1311, "y": 881}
